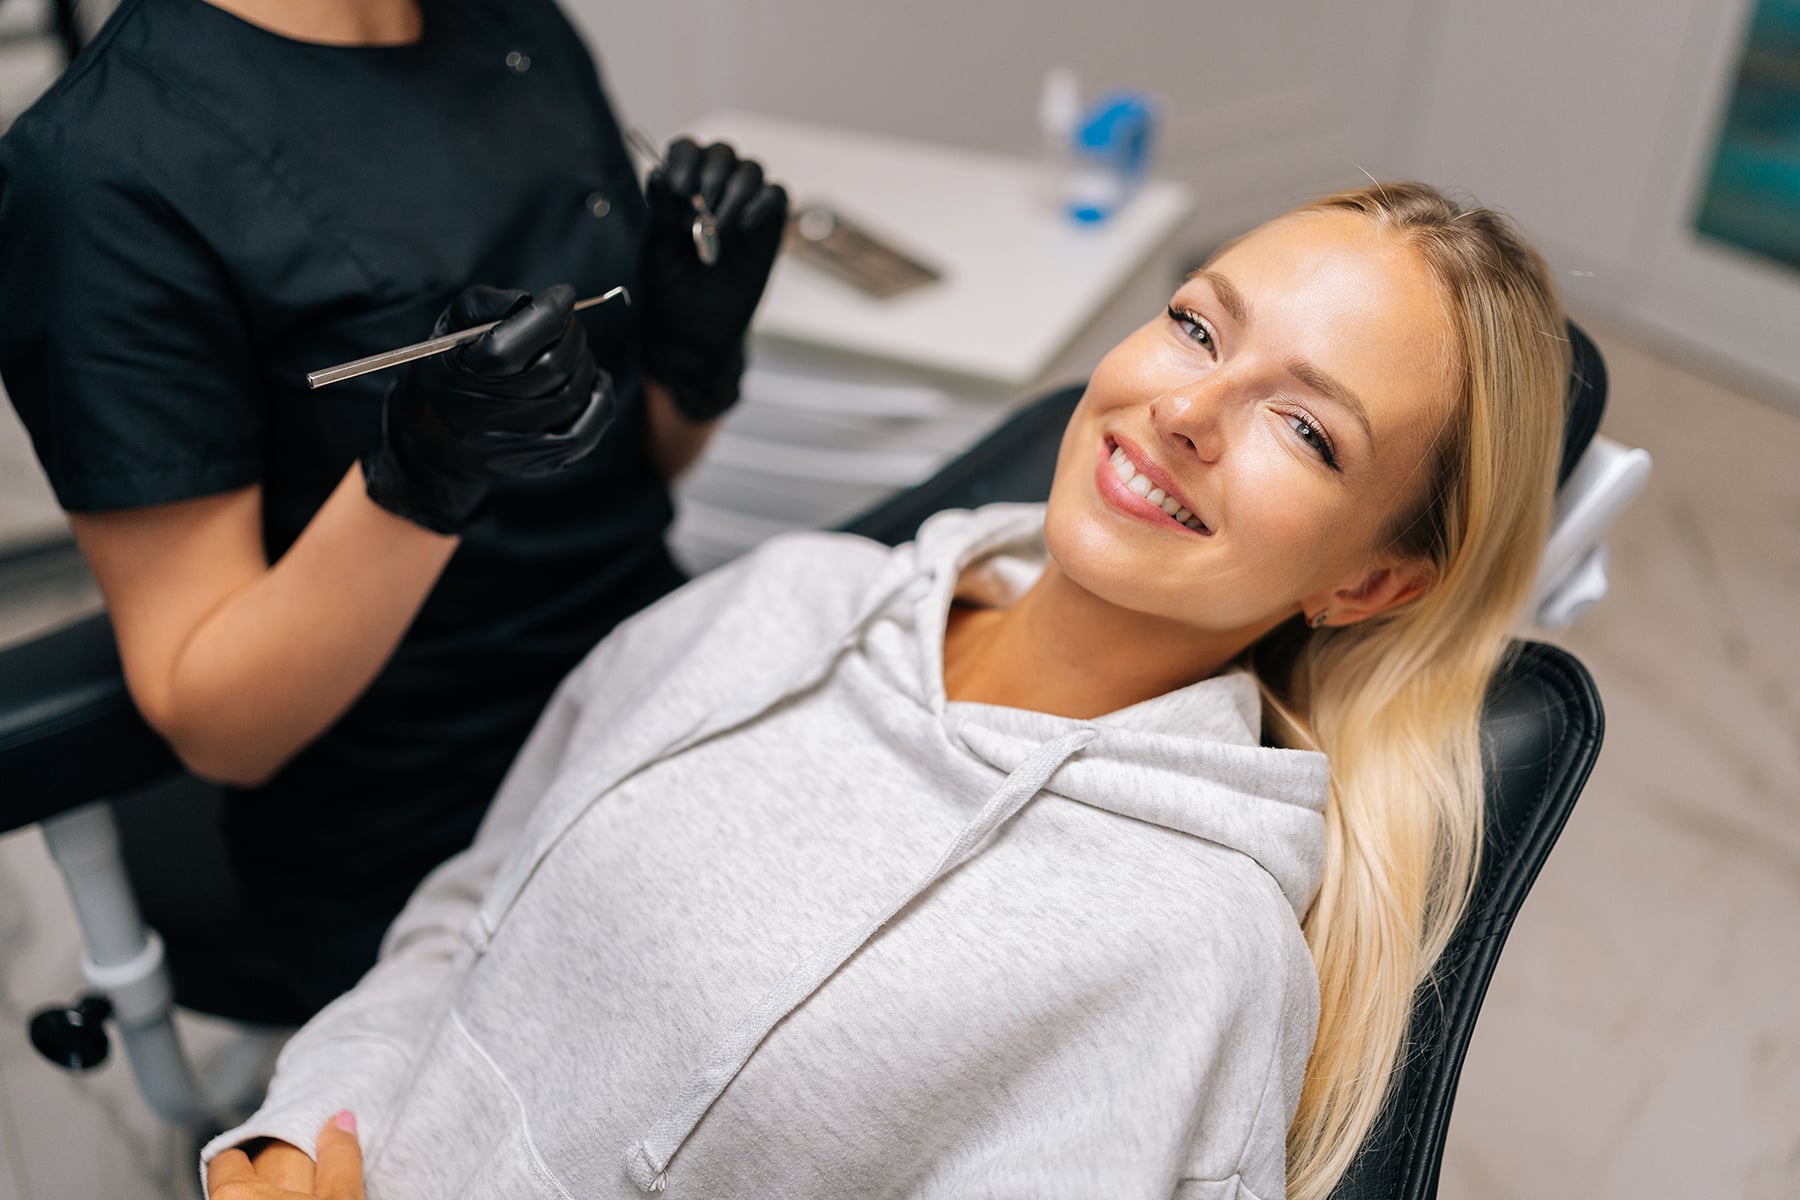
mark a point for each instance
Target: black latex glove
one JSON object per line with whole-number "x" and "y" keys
{"x": 521, "y": 401}
{"x": 695, "y": 316}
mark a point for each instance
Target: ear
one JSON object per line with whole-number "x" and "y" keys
{"x": 1380, "y": 589}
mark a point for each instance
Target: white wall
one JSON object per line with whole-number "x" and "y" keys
{"x": 30, "y": 57}
{"x": 1264, "y": 103}
{"x": 1592, "y": 122}
{"x": 28, "y": 64}
{"x": 1589, "y": 120}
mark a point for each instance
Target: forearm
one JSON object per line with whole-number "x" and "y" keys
{"x": 675, "y": 441}
{"x": 282, "y": 656}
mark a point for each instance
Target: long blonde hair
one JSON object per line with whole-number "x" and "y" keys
{"x": 1395, "y": 701}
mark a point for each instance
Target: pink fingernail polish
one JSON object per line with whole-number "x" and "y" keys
{"x": 345, "y": 1120}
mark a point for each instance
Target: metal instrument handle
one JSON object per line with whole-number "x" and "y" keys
{"x": 425, "y": 349}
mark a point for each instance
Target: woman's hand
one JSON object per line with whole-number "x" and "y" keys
{"x": 695, "y": 314}
{"x": 284, "y": 1172}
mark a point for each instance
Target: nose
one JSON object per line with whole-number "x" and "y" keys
{"x": 1191, "y": 418}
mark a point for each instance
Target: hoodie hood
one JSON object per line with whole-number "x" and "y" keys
{"x": 1189, "y": 760}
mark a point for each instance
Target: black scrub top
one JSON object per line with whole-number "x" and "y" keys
{"x": 198, "y": 213}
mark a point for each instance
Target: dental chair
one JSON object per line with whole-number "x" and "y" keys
{"x": 72, "y": 747}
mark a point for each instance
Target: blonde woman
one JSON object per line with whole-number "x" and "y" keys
{"x": 1085, "y": 849}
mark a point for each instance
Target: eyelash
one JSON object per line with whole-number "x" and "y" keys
{"x": 1182, "y": 316}
{"x": 1322, "y": 447}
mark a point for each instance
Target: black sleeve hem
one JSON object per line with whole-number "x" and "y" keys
{"x": 142, "y": 489}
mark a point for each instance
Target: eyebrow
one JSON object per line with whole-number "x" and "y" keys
{"x": 1228, "y": 294}
{"x": 1304, "y": 370}
{"x": 1308, "y": 373}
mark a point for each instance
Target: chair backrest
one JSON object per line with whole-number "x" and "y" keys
{"x": 1541, "y": 732}
{"x": 1587, "y": 400}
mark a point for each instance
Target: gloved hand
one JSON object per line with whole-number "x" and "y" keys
{"x": 695, "y": 316}
{"x": 521, "y": 401}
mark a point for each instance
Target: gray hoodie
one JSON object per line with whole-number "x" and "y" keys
{"x": 758, "y": 913}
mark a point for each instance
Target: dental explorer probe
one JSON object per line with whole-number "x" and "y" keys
{"x": 425, "y": 349}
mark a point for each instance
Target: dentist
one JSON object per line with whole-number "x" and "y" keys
{"x": 349, "y": 606}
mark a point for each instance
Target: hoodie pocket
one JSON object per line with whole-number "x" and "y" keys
{"x": 462, "y": 1134}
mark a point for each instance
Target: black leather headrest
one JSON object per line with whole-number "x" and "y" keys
{"x": 1587, "y": 400}
{"x": 1540, "y": 733}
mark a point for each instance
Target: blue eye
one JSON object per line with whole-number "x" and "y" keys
{"x": 1195, "y": 329}
{"x": 1313, "y": 436}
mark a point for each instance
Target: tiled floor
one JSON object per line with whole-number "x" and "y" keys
{"x": 1641, "y": 1039}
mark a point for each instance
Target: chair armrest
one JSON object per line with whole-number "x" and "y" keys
{"x": 69, "y": 733}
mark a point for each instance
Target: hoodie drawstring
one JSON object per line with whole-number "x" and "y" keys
{"x": 647, "y": 1160}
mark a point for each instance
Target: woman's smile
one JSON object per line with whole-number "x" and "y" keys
{"x": 1136, "y": 485}
{"x": 1212, "y": 419}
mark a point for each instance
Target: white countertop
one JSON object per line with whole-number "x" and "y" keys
{"x": 1021, "y": 280}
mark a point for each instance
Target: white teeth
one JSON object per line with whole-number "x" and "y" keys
{"x": 1140, "y": 483}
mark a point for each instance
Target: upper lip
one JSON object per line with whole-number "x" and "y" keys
{"x": 1154, "y": 471}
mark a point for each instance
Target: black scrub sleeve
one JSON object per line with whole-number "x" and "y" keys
{"x": 120, "y": 345}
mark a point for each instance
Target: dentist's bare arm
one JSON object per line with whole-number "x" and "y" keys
{"x": 240, "y": 664}
{"x": 675, "y": 440}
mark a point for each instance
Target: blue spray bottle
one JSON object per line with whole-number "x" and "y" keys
{"x": 1109, "y": 156}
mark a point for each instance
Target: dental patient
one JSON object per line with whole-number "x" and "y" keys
{"x": 1085, "y": 849}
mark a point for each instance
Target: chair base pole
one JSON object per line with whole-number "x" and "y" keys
{"x": 125, "y": 960}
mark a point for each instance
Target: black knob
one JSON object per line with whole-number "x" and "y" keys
{"x": 73, "y": 1038}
